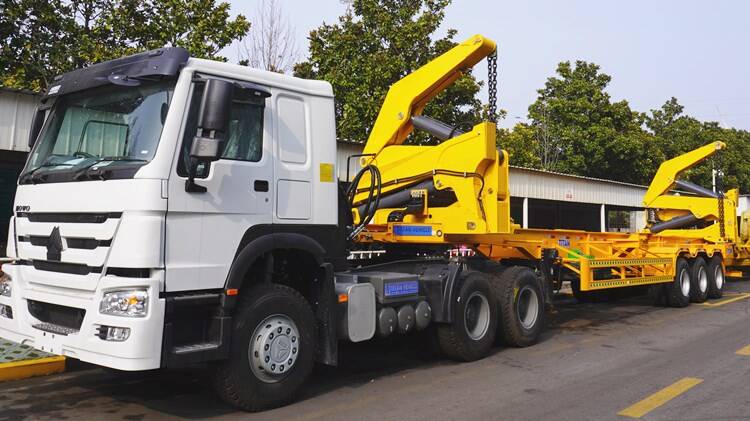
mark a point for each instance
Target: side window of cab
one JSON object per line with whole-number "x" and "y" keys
{"x": 244, "y": 140}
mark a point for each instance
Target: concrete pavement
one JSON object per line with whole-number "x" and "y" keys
{"x": 594, "y": 361}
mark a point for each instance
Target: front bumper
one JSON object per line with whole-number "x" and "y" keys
{"x": 141, "y": 351}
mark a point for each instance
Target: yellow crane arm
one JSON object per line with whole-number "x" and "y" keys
{"x": 408, "y": 96}
{"x": 670, "y": 170}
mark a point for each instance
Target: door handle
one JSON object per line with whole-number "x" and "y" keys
{"x": 261, "y": 185}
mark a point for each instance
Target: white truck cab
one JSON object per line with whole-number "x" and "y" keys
{"x": 105, "y": 231}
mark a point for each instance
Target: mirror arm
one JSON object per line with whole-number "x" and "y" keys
{"x": 190, "y": 185}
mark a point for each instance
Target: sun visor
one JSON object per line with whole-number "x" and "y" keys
{"x": 155, "y": 64}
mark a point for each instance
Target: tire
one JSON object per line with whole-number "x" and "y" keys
{"x": 521, "y": 305}
{"x": 263, "y": 310}
{"x": 716, "y": 277}
{"x": 678, "y": 292}
{"x": 658, "y": 294}
{"x": 698, "y": 280}
{"x": 471, "y": 333}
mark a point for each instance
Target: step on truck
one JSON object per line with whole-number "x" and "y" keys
{"x": 176, "y": 211}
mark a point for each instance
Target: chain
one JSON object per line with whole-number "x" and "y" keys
{"x": 720, "y": 193}
{"x": 492, "y": 85}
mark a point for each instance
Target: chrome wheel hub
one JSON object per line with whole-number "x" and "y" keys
{"x": 528, "y": 307}
{"x": 685, "y": 283}
{"x": 719, "y": 277}
{"x": 477, "y": 316}
{"x": 274, "y": 347}
{"x": 702, "y": 280}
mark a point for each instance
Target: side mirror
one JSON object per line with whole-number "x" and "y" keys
{"x": 213, "y": 123}
{"x": 36, "y": 126}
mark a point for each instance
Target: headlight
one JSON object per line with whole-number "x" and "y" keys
{"x": 132, "y": 303}
{"x": 6, "y": 286}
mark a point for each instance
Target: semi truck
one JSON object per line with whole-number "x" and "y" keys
{"x": 177, "y": 211}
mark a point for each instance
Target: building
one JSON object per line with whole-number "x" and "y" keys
{"x": 17, "y": 108}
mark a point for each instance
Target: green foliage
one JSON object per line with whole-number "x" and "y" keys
{"x": 576, "y": 128}
{"x": 374, "y": 44}
{"x": 41, "y": 39}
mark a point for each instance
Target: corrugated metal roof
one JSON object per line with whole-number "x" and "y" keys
{"x": 537, "y": 184}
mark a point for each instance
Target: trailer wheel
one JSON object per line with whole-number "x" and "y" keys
{"x": 521, "y": 304}
{"x": 716, "y": 277}
{"x": 678, "y": 292}
{"x": 471, "y": 334}
{"x": 272, "y": 351}
{"x": 698, "y": 280}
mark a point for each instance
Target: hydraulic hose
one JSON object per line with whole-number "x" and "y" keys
{"x": 370, "y": 205}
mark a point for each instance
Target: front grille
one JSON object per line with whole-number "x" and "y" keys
{"x": 73, "y": 243}
{"x": 67, "y": 317}
{"x": 71, "y": 268}
{"x": 74, "y": 218}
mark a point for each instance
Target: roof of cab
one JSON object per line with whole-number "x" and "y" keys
{"x": 263, "y": 77}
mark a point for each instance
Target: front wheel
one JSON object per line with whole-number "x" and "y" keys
{"x": 273, "y": 349}
{"x": 471, "y": 333}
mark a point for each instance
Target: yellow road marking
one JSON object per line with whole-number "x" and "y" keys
{"x": 744, "y": 351}
{"x": 737, "y": 297}
{"x": 659, "y": 398}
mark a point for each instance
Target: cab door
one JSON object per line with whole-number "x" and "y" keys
{"x": 203, "y": 230}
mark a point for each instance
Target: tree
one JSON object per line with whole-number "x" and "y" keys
{"x": 270, "y": 44}
{"x": 579, "y": 130}
{"x": 44, "y": 39}
{"x": 678, "y": 133}
{"x": 374, "y": 44}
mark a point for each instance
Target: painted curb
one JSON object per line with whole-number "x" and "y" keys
{"x": 24, "y": 369}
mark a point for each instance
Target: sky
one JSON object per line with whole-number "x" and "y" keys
{"x": 696, "y": 51}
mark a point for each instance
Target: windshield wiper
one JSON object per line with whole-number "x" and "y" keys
{"x": 85, "y": 171}
{"x": 31, "y": 174}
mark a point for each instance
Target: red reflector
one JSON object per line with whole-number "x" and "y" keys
{"x": 233, "y": 291}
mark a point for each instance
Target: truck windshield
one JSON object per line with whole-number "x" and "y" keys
{"x": 117, "y": 127}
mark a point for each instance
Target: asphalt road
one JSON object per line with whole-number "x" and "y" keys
{"x": 593, "y": 362}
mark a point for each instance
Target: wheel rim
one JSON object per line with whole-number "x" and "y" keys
{"x": 274, "y": 348}
{"x": 719, "y": 277}
{"x": 528, "y": 307}
{"x": 702, "y": 279}
{"x": 685, "y": 283}
{"x": 477, "y": 316}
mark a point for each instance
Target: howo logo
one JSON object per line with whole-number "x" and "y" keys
{"x": 23, "y": 208}
{"x": 54, "y": 245}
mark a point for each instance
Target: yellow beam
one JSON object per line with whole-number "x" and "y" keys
{"x": 669, "y": 170}
{"x": 408, "y": 96}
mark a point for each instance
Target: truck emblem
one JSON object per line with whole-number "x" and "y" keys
{"x": 54, "y": 245}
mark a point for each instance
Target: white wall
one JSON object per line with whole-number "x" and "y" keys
{"x": 16, "y": 111}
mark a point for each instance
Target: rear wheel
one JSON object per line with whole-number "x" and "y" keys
{"x": 716, "y": 278}
{"x": 698, "y": 280}
{"x": 472, "y": 331}
{"x": 273, "y": 348}
{"x": 521, "y": 304}
{"x": 678, "y": 292}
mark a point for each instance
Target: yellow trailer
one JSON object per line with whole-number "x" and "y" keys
{"x": 456, "y": 193}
